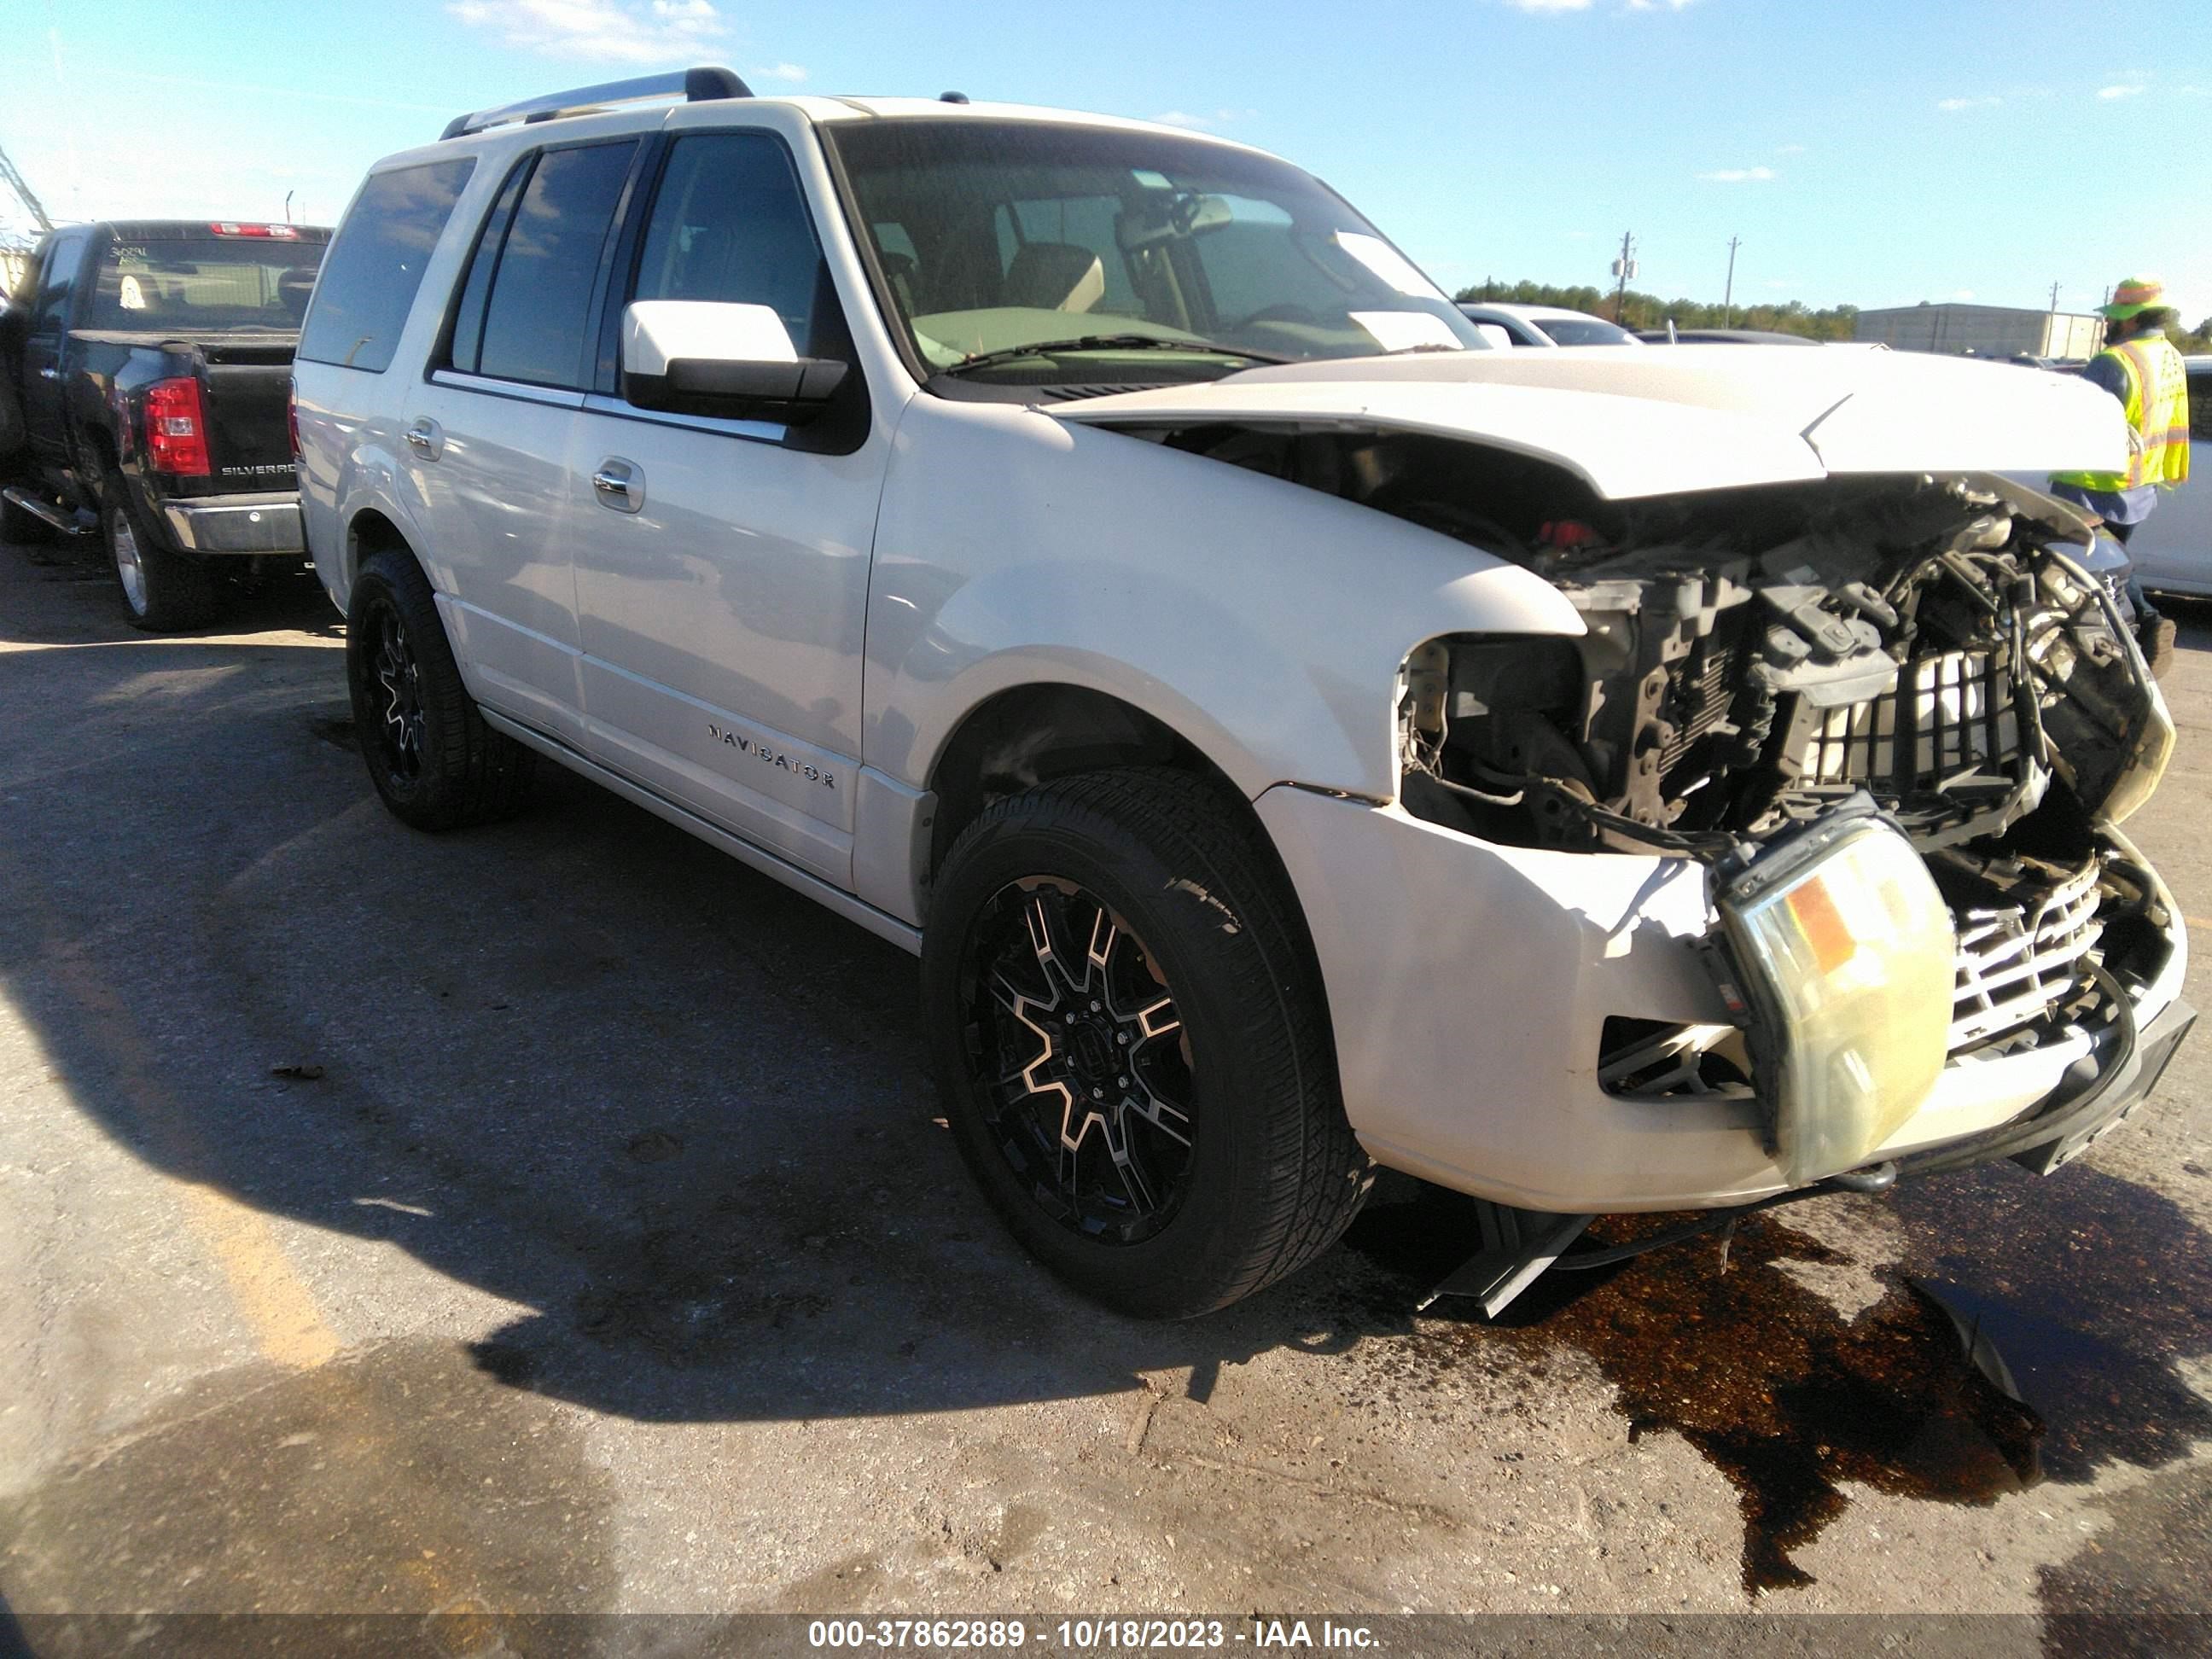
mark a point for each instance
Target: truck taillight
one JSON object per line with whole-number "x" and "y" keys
{"x": 292, "y": 416}
{"x": 231, "y": 228}
{"x": 176, "y": 428}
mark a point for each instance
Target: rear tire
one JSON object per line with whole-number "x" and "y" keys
{"x": 431, "y": 756}
{"x": 163, "y": 592}
{"x": 1114, "y": 960}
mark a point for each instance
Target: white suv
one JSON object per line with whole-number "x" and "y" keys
{"x": 1290, "y": 734}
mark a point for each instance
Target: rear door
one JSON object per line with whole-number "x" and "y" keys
{"x": 722, "y": 593}
{"x": 488, "y": 435}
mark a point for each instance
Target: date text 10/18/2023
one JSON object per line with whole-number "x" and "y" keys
{"x": 952, "y": 1635}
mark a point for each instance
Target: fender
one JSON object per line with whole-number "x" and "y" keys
{"x": 1213, "y": 598}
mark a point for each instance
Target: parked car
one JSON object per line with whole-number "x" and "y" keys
{"x": 1721, "y": 336}
{"x": 1090, "y": 556}
{"x": 2173, "y": 551}
{"x": 1546, "y": 326}
{"x": 150, "y": 360}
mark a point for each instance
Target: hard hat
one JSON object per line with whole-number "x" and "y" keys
{"x": 2135, "y": 293}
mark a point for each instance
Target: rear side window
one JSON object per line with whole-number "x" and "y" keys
{"x": 730, "y": 224}
{"x": 547, "y": 263}
{"x": 375, "y": 265}
{"x": 2200, "y": 405}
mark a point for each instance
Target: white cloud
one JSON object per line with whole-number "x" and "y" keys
{"x": 793, "y": 73}
{"x": 625, "y": 31}
{"x": 1657, "y": 5}
{"x": 1791, "y": 149}
{"x": 2110, "y": 93}
{"x": 1953, "y": 105}
{"x": 1740, "y": 176}
{"x": 1962, "y": 293}
{"x": 1549, "y": 5}
{"x": 1178, "y": 118}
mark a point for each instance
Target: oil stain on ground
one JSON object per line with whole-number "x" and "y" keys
{"x": 2090, "y": 1289}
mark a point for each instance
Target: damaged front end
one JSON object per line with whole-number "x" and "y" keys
{"x": 1894, "y": 719}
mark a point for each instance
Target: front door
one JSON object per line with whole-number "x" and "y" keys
{"x": 722, "y": 566}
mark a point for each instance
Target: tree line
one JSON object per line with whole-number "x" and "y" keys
{"x": 1639, "y": 310}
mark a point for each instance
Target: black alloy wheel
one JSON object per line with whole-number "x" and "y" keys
{"x": 431, "y": 755}
{"x": 1129, "y": 1036}
{"x": 1088, "y": 1090}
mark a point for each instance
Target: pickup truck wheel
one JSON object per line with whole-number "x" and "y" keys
{"x": 1132, "y": 1044}
{"x": 433, "y": 759}
{"x": 162, "y": 591}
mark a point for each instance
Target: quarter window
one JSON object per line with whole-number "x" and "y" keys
{"x": 2200, "y": 407}
{"x": 548, "y": 264}
{"x": 729, "y": 224}
{"x": 369, "y": 280}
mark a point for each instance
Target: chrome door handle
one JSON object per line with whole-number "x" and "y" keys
{"x": 425, "y": 439}
{"x": 617, "y": 484}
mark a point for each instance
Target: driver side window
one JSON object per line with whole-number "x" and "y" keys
{"x": 729, "y": 224}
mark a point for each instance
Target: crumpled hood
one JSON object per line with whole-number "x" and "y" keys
{"x": 1675, "y": 418}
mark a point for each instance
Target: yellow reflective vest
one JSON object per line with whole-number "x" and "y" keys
{"x": 2158, "y": 419}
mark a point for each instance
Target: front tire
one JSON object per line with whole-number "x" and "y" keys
{"x": 163, "y": 592}
{"x": 1131, "y": 1042}
{"x": 431, "y": 756}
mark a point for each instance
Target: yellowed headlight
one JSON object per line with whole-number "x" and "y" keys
{"x": 1849, "y": 955}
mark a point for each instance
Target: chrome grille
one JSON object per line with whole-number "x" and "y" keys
{"x": 2015, "y": 960}
{"x": 1952, "y": 712}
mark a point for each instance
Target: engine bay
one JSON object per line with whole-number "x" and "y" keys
{"x": 1755, "y": 657}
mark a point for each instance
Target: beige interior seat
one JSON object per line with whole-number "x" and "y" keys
{"x": 1055, "y": 276}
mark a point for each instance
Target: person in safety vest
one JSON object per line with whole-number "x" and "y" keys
{"x": 2140, "y": 367}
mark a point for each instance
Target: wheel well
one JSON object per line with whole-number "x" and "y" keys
{"x": 1032, "y": 733}
{"x": 369, "y": 532}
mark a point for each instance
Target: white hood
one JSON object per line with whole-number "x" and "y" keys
{"x": 1677, "y": 418}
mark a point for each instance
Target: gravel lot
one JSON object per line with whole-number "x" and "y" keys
{"x": 555, "y": 1218}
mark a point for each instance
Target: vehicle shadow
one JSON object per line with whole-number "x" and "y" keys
{"x": 677, "y": 1114}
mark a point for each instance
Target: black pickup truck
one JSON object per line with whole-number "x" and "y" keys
{"x": 145, "y": 375}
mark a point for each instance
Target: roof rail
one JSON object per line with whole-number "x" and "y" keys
{"x": 693, "y": 85}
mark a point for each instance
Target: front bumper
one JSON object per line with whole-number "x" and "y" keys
{"x": 1469, "y": 985}
{"x": 265, "y": 522}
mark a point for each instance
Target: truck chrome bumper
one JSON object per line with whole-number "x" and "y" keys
{"x": 258, "y": 523}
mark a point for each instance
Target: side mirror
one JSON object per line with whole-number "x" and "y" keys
{"x": 736, "y": 361}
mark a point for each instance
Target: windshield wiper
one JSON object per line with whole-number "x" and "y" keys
{"x": 1107, "y": 343}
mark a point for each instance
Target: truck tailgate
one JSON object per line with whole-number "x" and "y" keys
{"x": 247, "y": 382}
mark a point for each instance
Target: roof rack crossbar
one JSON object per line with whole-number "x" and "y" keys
{"x": 694, "y": 86}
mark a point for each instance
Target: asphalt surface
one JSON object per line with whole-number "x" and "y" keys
{"x": 556, "y": 1218}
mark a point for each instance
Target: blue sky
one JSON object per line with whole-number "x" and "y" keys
{"x": 1880, "y": 152}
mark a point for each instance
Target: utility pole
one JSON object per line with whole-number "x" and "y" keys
{"x": 1623, "y": 268}
{"x": 2054, "y": 299}
{"x": 1727, "y": 298}
{"x": 14, "y": 180}
{"x": 287, "y": 205}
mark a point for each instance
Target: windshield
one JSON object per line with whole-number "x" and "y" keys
{"x": 1585, "y": 330}
{"x": 206, "y": 285}
{"x": 995, "y": 235}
